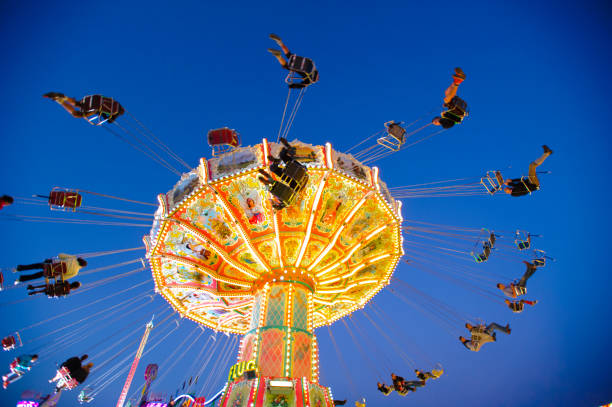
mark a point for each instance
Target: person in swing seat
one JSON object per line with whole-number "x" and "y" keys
{"x": 89, "y": 106}
{"x": 59, "y": 289}
{"x": 456, "y": 108}
{"x": 530, "y": 183}
{"x": 424, "y": 376}
{"x": 68, "y": 267}
{"x": 482, "y": 334}
{"x": 18, "y": 368}
{"x": 513, "y": 289}
{"x": 309, "y": 76}
{"x": 384, "y": 389}
{"x": 517, "y": 306}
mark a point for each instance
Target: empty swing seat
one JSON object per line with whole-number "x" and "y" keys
{"x": 397, "y": 132}
{"x": 223, "y": 140}
{"x": 492, "y": 181}
{"x": 8, "y": 343}
{"x": 394, "y": 137}
{"x": 65, "y": 199}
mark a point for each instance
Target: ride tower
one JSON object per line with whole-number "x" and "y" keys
{"x": 222, "y": 256}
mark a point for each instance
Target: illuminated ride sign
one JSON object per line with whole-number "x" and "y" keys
{"x": 239, "y": 368}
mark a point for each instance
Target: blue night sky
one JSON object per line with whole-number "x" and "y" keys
{"x": 536, "y": 74}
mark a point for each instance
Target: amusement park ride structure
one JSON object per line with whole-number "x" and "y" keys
{"x": 222, "y": 256}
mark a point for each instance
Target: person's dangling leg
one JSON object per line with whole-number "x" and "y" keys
{"x": 35, "y": 266}
{"x": 528, "y": 273}
{"x": 494, "y": 326}
{"x": 72, "y": 107}
{"x": 28, "y": 277}
{"x": 451, "y": 91}
{"x": 265, "y": 179}
{"x": 280, "y": 43}
{"x": 11, "y": 377}
{"x": 535, "y": 164}
{"x": 279, "y": 57}
{"x": 276, "y": 169}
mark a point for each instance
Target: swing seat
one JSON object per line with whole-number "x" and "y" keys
{"x": 9, "y": 343}
{"x": 301, "y": 65}
{"x": 98, "y": 109}
{"x": 437, "y": 373}
{"x": 295, "y": 175}
{"x": 492, "y": 181}
{"x": 394, "y": 138}
{"x": 54, "y": 269}
{"x": 523, "y": 244}
{"x": 396, "y": 131}
{"x": 456, "y": 110}
{"x": 66, "y": 380}
{"x": 524, "y": 180}
{"x": 285, "y": 194}
{"x": 300, "y": 69}
{"x": 223, "y": 140}
{"x": 60, "y": 199}
{"x": 480, "y": 258}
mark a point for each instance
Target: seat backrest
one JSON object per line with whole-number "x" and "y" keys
{"x": 221, "y": 136}
{"x": 397, "y": 131}
{"x": 300, "y": 64}
{"x": 296, "y": 171}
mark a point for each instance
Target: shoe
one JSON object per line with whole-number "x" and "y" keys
{"x": 53, "y": 95}
{"x": 275, "y": 52}
{"x": 274, "y": 37}
{"x": 16, "y": 282}
{"x": 19, "y": 268}
{"x": 30, "y": 287}
{"x": 508, "y": 328}
{"x": 14, "y": 270}
{"x": 547, "y": 149}
{"x": 459, "y": 73}
{"x": 535, "y": 302}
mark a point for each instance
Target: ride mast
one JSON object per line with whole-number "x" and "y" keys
{"x": 128, "y": 381}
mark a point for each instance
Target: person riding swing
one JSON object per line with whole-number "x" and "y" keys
{"x": 293, "y": 177}
{"x": 456, "y": 108}
{"x": 96, "y": 109}
{"x": 302, "y": 66}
